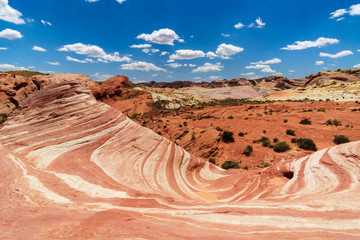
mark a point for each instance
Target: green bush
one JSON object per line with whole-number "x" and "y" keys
{"x": 230, "y": 117}
{"x": 227, "y": 137}
{"x": 266, "y": 165}
{"x": 275, "y": 140}
{"x": 281, "y": 147}
{"x": 290, "y": 132}
{"x": 285, "y": 120}
{"x": 230, "y": 164}
{"x": 248, "y": 150}
{"x": 339, "y": 139}
{"x": 212, "y": 160}
{"x": 241, "y": 134}
{"x": 3, "y": 117}
{"x": 265, "y": 142}
{"x": 307, "y": 144}
{"x": 305, "y": 121}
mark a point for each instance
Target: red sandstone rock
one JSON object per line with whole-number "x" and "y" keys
{"x": 75, "y": 168}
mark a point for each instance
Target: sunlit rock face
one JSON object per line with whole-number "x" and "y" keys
{"x": 75, "y": 168}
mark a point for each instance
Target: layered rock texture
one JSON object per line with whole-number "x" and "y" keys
{"x": 75, "y": 168}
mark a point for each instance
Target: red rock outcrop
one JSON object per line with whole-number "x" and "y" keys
{"x": 338, "y": 77}
{"x": 75, "y": 168}
{"x": 13, "y": 89}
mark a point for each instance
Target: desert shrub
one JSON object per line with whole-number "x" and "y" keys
{"x": 281, "y": 147}
{"x": 275, "y": 140}
{"x": 230, "y": 164}
{"x": 185, "y": 124}
{"x": 290, "y": 132}
{"x": 285, "y": 120}
{"x": 241, "y": 134}
{"x": 339, "y": 139}
{"x": 264, "y": 131}
{"x": 227, "y": 137}
{"x": 306, "y": 144}
{"x": 192, "y": 137}
{"x": 212, "y": 160}
{"x": 230, "y": 117}
{"x": 305, "y": 121}
{"x": 206, "y": 117}
{"x": 180, "y": 125}
{"x": 219, "y": 129}
{"x": 266, "y": 165}
{"x": 159, "y": 133}
{"x": 248, "y": 150}
{"x": 334, "y": 122}
{"x": 265, "y": 142}
{"x": 294, "y": 140}
{"x": 3, "y": 117}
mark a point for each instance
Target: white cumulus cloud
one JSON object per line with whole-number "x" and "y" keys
{"x": 211, "y": 55}
{"x": 318, "y": 63}
{"x": 225, "y": 35}
{"x": 268, "y": 70}
{"x": 215, "y": 77}
{"x": 248, "y": 74}
{"x": 320, "y": 42}
{"x": 10, "y": 34}
{"x": 53, "y": 63}
{"x": 260, "y": 23}
{"x": 101, "y": 76}
{"x": 94, "y": 52}
{"x": 355, "y": 10}
{"x": 337, "y": 55}
{"x": 357, "y": 66}
{"x": 227, "y": 50}
{"x": 164, "y": 36}
{"x": 272, "y": 61}
{"x": 141, "y": 45}
{"x": 75, "y": 60}
{"x": 209, "y": 67}
{"x": 46, "y": 23}
{"x": 187, "y": 54}
{"x": 10, "y": 67}
{"x": 10, "y": 14}
{"x": 174, "y": 65}
{"x": 37, "y": 48}
{"x": 3, "y": 48}
{"x": 239, "y": 25}
{"x": 338, "y": 13}
{"x": 257, "y": 66}
{"x": 141, "y": 66}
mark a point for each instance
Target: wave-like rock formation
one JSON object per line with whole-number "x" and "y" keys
{"x": 75, "y": 168}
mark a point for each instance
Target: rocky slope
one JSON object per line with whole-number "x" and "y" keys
{"x": 15, "y": 88}
{"x": 333, "y": 77}
{"x": 75, "y": 168}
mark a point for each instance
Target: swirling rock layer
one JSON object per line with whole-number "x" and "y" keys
{"x": 73, "y": 168}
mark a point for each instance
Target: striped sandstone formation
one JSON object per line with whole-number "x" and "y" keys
{"x": 75, "y": 168}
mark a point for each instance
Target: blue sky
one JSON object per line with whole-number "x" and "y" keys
{"x": 169, "y": 40}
